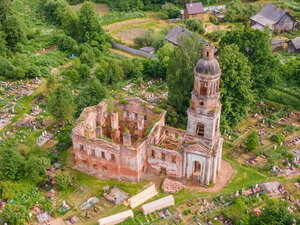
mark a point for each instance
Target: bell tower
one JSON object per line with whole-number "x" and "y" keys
{"x": 205, "y": 109}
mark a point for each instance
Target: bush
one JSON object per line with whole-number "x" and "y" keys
{"x": 214, "y": 20}
{"x": 145, "y": 39}
{"x": 194, "y": 25}
{"x": 84, "y": 71}
{"x": 63, "y": 180}
{"x": 66, "y": 43}
{"x": 252, "y": 141}
{"x": 215, "y": 35}
{"x": 88, "y": 58}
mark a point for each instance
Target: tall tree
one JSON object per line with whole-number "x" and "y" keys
{"x": 236, "y": 93}
{"x": 255, "y": 45}
{"x": 90, "y": 28}
{"x": 11, "y": 164}
{"x": 180, "y": 72}
{"x": 70, "y": 23}
{"x": 3, "y": 46}
{"x": 5, "y": 9}
{"x": 252, "y": 141}
{"x": 15, "y": 31}
{"x": 60, "y": 103}
{"x": 92, "y": 94}
{"x": 275, "y": 212}
{"x": 35, "y": 168}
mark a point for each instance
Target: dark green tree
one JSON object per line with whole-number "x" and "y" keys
{"x": 15, "y": 31}
{"x": 252, "y": 141}
{"x": 11, "y": 164}
{"x": 90, "y": 28}
{"x": 6, "y": 68}
{"x": 92, "y": 94}
{"x": 84, "y": 71}
{"x": 70, "y": 23}
{"x": 63, "y": 179}
{"x": 66, "y": 43}
{"x": 255, "y": 45}
{"x": 88, "y": 58}
{"x": 5, "y": 9}
{"x": 194, "y": 25}
{"x": 275, "y": 212}
{"x": 14, "y": 213}
{"x": 180, "y": 72}
{"x": 60, "y": 103}
{"x": 3, "y": 45}
{"x": 236, "y": 94}
{"x": 35, "y": 168}
{"x": 54, "y": 10}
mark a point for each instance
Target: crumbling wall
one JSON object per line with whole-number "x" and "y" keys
{"x": 170, "y": 162}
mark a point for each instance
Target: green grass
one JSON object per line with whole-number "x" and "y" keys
{"x": 115, "y": 17}
{"x": 244, "y": 177}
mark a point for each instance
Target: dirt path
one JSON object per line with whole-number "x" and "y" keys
{"x": 227, "y": 172}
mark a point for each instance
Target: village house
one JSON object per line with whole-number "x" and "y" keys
{"x": 124, "y": 139}
{"x": 294, "y": 45}
{"x": 273, "y": 17}
{"x": 193, "y": 10}
{"x": 175, "y": 34}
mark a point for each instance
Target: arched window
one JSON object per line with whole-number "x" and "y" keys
{"x": 203, "y": 88}
{"x": 200, "y": 129}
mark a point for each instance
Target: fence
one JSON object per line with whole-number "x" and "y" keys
{"x": 132, "y": 51}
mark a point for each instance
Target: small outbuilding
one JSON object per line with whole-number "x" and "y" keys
{"x": 294, "y": 45}
{"x": 277, "y": 45}
{"x": 116, "y": 218}
{"x": 148, "y": 49}
{"x": 193, "y": 10}
{"x": 158, "y": 204}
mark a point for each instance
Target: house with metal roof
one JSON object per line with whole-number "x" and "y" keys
{"x": 175, "y": 34}
{"x": 193, "y": 10}
{"x": 294, "y": 45}
{"x": 273, "y": 17}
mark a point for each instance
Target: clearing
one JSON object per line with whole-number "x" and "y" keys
{"x": 101, "y": 8}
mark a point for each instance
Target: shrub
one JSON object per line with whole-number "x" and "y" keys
{"x": 63, "y": 180}
{"x": 194, "y": 25}
{"x": 66, "y": 43}
{"x": 88, "y": 58}
{"x": 84, "y": 71}
{"x": 145, "y": 39}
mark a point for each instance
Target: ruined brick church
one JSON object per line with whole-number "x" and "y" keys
{"x": 126, "y": 139}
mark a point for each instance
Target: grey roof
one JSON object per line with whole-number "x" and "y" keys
{"x": 175, "y": 34}
{"x": 296, "y": 42}
{"x": 194, "y": 8}
{"x": 258, "y": 27}
{"x": 270, "y": 14}
{"x": 208, "y": 66}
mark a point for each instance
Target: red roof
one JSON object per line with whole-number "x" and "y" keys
{"x": 194, "y": 8}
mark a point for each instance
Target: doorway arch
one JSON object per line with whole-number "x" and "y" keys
{"x": 197, "y": 168}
